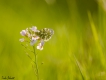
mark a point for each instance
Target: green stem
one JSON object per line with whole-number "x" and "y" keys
{"x": 36, "y": 65}
{"x": 79, "y": 67}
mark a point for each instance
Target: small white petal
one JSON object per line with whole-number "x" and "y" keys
{"x": 34, "y": 28}
{"x": 42, "y": 43}
{"x": 23, "y": 32}
{"x": 21, "y": 40}
{"x": 27, "y": 33}
{"x": 33, "y": 40}
{"x": 40, "y": 47}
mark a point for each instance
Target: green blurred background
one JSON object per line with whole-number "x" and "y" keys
{"x": 76, "y": 50}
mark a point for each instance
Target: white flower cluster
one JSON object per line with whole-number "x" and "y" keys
{"x": 33, "y": 35}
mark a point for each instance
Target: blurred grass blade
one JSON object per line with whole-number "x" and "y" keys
{"x": 96, "y": 38}
{"x": 79, "y": 67}
{"x": 93, "y": 28}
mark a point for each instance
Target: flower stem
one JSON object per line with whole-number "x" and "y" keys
{"x": 36, "y": 65}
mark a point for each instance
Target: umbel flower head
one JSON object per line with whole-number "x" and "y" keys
{"x": 32, "y": 35}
